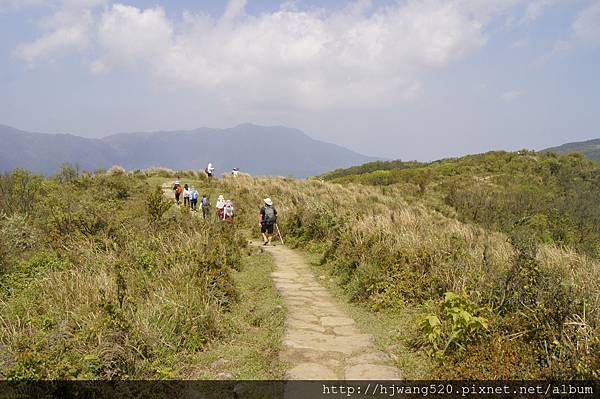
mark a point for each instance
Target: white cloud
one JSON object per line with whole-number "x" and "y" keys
{"x": 511, "y": 95}
{"x": 304, "y": 59}
{"x": 68, "y": 28}
{"x": 131, "y": 37}
{"x": 536, "y": 9}
{"x": 584, "y": 29}
{"x": 290, "y": 58}
{"x": 59, "y": 40}
{"x": 587, "y": 25}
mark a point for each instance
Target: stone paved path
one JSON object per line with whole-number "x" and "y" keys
{"x": 321, "y": 341}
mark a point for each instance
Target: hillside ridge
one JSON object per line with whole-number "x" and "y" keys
{"x": 589, "y": 148}
{"x": 259, "y": 150}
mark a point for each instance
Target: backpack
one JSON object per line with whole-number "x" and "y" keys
{"x": 205, "y": 201}
{"x": 269, "y": 217}
{"x": 179, "y": 189}
{"x": 195, "y": 195}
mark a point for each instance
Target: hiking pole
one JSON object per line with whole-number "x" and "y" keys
{"x": 279, "y": 232}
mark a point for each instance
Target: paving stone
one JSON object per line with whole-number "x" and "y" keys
{"x": 372, "y": 358}
{"x": 372, "y": 372}
{"x": 345, "y": 330}
{"x": 310, "y": 371}
{"x": 295, "y": 323}
{"x": 326, "y": 342}
{"x": 307, "y": 317}
{"x": 328, "y": 321}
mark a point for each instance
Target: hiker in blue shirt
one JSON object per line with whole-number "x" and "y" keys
{"x": 205, "y": 206}
{"x": 194, "y": 198}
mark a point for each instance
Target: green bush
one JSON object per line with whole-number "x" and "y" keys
{"x": 19, "y": 192}
{"x": 157, "y": 205}
{"x": 457, "y": 325}
{"x": 17, "y": 232}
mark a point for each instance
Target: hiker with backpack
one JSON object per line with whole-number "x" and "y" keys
{"x": 266, "y": 220}
{"x": 205, "y": 206}
{"x": 194, "y": 199}
{"x": 186, "y": 195}
{"x": 220, "y": 206}
{"x": 178, "y": 190}
{"x": 228, "y": 212}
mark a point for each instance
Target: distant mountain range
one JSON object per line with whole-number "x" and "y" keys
{"x": 258, "y": 150}
{"x": 589, "y": 148}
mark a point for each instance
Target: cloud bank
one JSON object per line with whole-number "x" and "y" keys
{"x": 299, "y": 59}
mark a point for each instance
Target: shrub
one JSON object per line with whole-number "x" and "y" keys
{"x": 116, "y": 170}
{"x": 454, "y": 327}
{"x": 17, "y": 232}
{"x": 19, "y": 192}
{"x": 157, "y": 205}
{"x": 68, "y": 173}
{"x": 27, "y": 271}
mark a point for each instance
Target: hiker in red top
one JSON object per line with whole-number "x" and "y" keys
{"x": 178, "y": 190}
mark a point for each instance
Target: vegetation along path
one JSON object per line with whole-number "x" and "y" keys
{"x": 321, "y": 340}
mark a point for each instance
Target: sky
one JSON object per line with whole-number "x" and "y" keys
{"x": 402, "y": 79}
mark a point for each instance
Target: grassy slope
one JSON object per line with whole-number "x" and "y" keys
{"x": 256, "y": 326}
{"x": 393, "y": 251}
{"x": 521, "y": 302}
{"x": 92, "y": 288}
{"x": 553, "y": 197}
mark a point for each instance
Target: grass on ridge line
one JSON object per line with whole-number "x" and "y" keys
{"x": 257, "y": 321}
{"x": 392, "y": 332}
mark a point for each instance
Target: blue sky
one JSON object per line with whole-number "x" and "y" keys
{"x": 400, "y": 79}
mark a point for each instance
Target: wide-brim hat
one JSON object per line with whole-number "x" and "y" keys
{"x": 221, "y": 197}
{"x": 268, "y": 201}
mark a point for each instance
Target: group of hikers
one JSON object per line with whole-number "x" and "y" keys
{"x": 210, "y": 170}
{"x": 267, "y": 218}
{"x": 190, "y": 196}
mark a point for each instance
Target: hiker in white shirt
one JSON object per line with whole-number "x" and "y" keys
{"x": 186, "y": 195}
{"x": 209, "y": 170}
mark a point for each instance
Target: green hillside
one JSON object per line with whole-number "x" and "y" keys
{"x": 553, "y": 197}
{"x": 589, "y": 148}
{"x": 483, "y": 267}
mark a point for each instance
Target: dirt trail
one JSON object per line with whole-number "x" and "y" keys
{"x": 321, "y": 340}
{"x": 167, "y": 189}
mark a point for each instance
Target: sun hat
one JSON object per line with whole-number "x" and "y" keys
{"x": 268, "y": 201}
{"x": 221, "y": 197}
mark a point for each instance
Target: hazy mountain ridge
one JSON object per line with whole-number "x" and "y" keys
{"x": 260, "y": 150}
{"x": 589, "y": 148}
